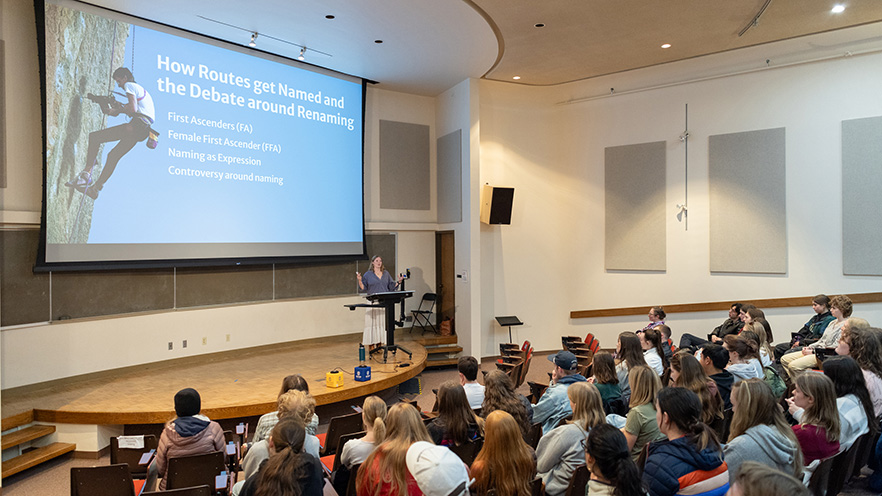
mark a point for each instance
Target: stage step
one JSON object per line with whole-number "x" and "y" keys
{"x": 27, "y": 434}
{"x": 18, "y": 420}
{"x": 35, "y": 457}
{"x": 432, "y": 340}
{"x": 440, "y": 362}
{"x": 445, "y": 349}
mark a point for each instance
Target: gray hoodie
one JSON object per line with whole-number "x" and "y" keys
{"x": 764, "y": 444}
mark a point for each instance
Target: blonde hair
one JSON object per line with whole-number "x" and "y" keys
{"x": 757, "y": 406}
{"x": 823, "y": 412}
{"x": 404, "y": 427}
{"x": 757, "y": 328}
{"x": 373, "y": 413}
{"x": 756, "y": 479}
{"x": 645, "y": 385}
{"x": 297, "y": 404}
{"x": 587, "y": 405}
{"x": 505, "y": 463}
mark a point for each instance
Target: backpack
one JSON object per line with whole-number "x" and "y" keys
{"x": 771, "y": 377}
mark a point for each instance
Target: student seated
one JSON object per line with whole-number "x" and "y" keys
{"x": 640, "y": 424}
{"x": 814, "y": 405}
{"x": 656, "y": 318}
{"x": 796, "y": 362}
{"x": 506, "y": 464}
{"x": 468, "y": 377}
{"x": 554, "y": 406}
{"x": 811, "y": 331}
{"x": 385, "y": 471}
{"x": 862, "y": 342}
{"x": 690, "y": 460}
{"x": 267, "y": 421}
{"x": 714, "y": 359}
{"x": 607, "y": 457}
{"x": 560, "y": 451}
{"x": 499, "y": 394}
{"x": 732, "y": 325}
{"x": 629, "y": 354}
{"x": 653, "y": 353}
{"x": 605, "y": 378}
{"x": 687, "y": 373}
{"x": 744, "y": 360}
{"x": 756, "y": 479}
{"x": 456, "y": 423}
{"x": 852, "y": 400}
{"x": 437, "y": 470}
{"x": 356, "y": 451}
{"x": 289, "y": 471}
{"x": 190, "y": 433}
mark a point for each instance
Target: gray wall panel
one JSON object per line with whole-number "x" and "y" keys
{"x": 635, "y": 206}
{"x": 404, "y": 166}
{"x": 747, "y": 188}
{"x": 450, "y": 177}
{"x": 861, "y": 198}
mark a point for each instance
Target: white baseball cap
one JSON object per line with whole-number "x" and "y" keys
{"x": 437, "y": 470}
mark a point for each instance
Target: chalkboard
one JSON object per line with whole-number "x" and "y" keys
{"x": 26, "y": 297}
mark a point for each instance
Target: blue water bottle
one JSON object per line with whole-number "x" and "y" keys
{"x": 361, "y": 353}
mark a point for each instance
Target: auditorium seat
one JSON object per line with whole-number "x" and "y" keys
{"x": 196, "y": 470}
{"x": 579, "y": 481}
{"x": 343, "y": 424}
{"x": 185, "y": 491}
{"x": 105, "y": 480}
{"x": 132, "y": 456}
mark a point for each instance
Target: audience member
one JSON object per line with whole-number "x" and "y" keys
{"x": 373, "y": 415}
{"x": 267, "y": 421}
{"x": 190, "y": 433}
{"x": 714, "y": 359}
{"x": 759, "y": 431}
{"x": 294, "y": 403}
{"x": 814, "y": 406}
{"x": 289, "y": 471}
{"x": 812, "y": 330}
{"x": 506, "y": 463}
{"x": 437, "y": 470}
{"x": 687, "y": 372}
{"x": 667, "y": 345}
{"x": 743, "y": 315}
{"x": 500, "y": 395}
{"x": 553, "y": 406}
{"x": 468, "y": 377}
{"x": 756, "y": 479}
{"x": 629, "y": 354}
{"x": 656, "y": 318}
{"x": 755, "y": 330}
{"x": 385, "y": 471}
{"x": 456, "y": 423}
{"x": 732, "y": 325}
{"x": 560, "y": 451}
{"x": 861, "y": 342}
{"x": 607, "y": 457}
{"x": 840, "y": 307}
{"x": 650, "y": 342}
{"x": 743, "y": 358}
{"x": 605, "y": 378}
{"x": 853, "y": 401}
{"x": 641, "y": 426}
{"x": 690, "y": 460}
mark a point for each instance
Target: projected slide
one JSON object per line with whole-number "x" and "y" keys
{"x": 162, "y": 147}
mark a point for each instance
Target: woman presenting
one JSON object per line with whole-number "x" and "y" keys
{"x": 376, "y": 280}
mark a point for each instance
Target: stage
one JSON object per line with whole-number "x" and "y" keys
{"x": 232, "y": 384}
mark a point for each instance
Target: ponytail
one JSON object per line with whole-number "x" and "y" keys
{"x": 379, "y": 431}
{"x": 684, "y": 410}
{"x": 374, "y": 414}
{"x": 280, "y": 476}
{"x": 613, "y": 460}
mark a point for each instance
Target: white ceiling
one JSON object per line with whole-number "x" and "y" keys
{"x": 431, "y": 45}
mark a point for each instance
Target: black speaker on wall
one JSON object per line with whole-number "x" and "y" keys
{"x": 496, "y": 204}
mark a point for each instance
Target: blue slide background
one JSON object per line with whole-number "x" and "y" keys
{"x": 320, "y": 163}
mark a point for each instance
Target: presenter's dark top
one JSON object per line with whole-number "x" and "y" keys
{"x": 374, "y": 284}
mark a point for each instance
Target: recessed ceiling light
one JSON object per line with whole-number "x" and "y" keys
{"x": 378, "y": 41}
{"x": 516, "y": 78}
{"x": 539, "y": 25}
{"x": 666, "y": 45}
{"x": 838, "y": 8}
{"x": 329, "y": 16}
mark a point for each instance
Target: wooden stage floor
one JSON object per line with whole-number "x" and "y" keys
{"x": 232, "y": 384}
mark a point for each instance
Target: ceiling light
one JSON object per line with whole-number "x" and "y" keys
{"x": 666, "y": 45}
{"x": 302, "y": 54}
{"x": 516, "y": 78}
{"x": 253, "y": 42}
{"x": 838, "y": 8}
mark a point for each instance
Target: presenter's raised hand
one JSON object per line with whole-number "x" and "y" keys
{"x": 358, "y": 276}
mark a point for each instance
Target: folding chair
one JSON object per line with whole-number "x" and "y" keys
{"x": 423, "y": 313}
{"x": 344, "y": 424}
{"x": 106, "y": 480}
{"x": 197, "y": 470}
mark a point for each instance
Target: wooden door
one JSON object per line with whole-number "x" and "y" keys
{"x": 445, "y": 275}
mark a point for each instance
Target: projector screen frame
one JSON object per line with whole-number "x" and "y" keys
{"x": 41, "y": 264}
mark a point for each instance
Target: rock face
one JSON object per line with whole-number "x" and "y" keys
{"x": 82, "y": 51}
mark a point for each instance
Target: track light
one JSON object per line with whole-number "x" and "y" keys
{"x": 253, "y": 42}
{"x": 302, "y": 54}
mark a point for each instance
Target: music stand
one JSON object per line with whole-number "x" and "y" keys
{"x": 509, "y": 320}
{"x": 387, "y": 300}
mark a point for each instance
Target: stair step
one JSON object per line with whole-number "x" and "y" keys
{"x": 27, "y": 434}
{"x": 435, "y": 340}
{"x": 434, "y": 350}
{"x": 439, "y": 362}
{"x": 18, "y": 420}
{"x": 35, "y": 457}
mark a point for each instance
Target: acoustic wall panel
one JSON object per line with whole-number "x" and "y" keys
{"x": 747, "y": 185}
{"x": 404, "y": 166}
{"x": 450, "y": 177}
{"x": 635, "y": 207}
{"x": 861, "y": 199}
